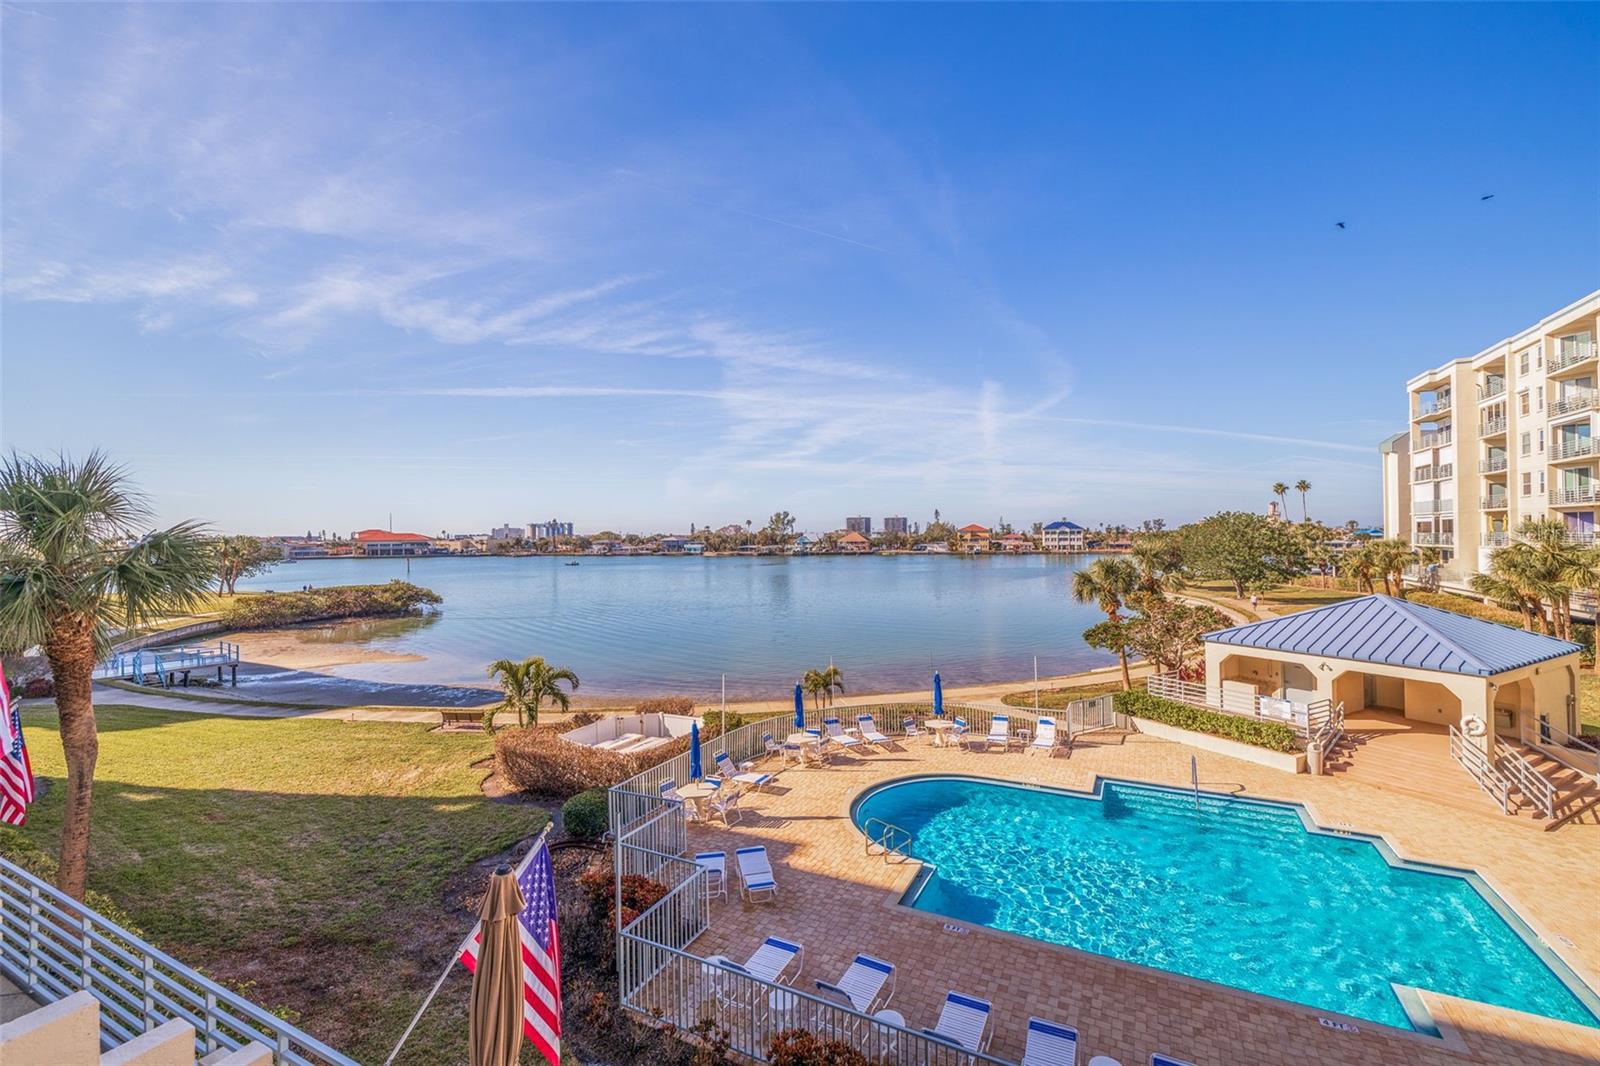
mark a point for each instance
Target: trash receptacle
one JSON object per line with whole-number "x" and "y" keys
{"x": 1314, "y": 759}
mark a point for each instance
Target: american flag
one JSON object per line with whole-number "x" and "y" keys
{"x": 16, "y": 774}
{"x": 541, "y": 953}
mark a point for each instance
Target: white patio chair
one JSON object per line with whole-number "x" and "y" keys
{"x": 1050, "y": 1044}
{"x": 755, "y": 873}
{"x": 963, "y": 1020}
{"x": 715, "y": 864}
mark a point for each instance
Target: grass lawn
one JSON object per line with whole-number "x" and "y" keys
{"x": 314, "y": 865}
{"x": 1056, "y": 699}
{"x": 1589, "y": 702}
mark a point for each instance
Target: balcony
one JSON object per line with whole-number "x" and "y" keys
{"x": 1434, "y": 438}
{"x": 1568, "y": 447}
{"x": 1434, "y": 407}
{"x": 1495, "y": 502}
{"x": 1494, "y": 465}
{"x": 1572, "y": 355}
{"x": 1433, "y": 506}
{"x": 1496, "y": 540}
{"x": 1492, "y": 427}
{"x": 1584, "y": 537}
{"x": 1574, "y": 402}
{"x": 1437, "y": 472}
{"x": 1585, "y": 495}
{"x": 1434, "y": 540}
{"x": 1491, "y": 388}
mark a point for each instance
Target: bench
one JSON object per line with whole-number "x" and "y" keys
{"x": 460, "y": 717}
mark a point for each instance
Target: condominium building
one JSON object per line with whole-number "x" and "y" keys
{"x": 896, "y": 524}
{"x": 1496, "y": 438}
{"x": 1064, "y": 536}
{"x": 859, "y": 524}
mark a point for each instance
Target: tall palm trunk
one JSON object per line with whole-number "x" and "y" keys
{"x": 71, "y": 654}
{"x": 1122, "y": 655}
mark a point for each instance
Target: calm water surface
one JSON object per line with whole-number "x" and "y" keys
{"x": 640, "y": 625}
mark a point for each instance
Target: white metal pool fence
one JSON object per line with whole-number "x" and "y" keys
{"x": 662, "y": 980}
{"x": 1306, "y": 719}
{"x": 52, "y": 946}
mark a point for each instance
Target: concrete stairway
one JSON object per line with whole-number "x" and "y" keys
{"x": 67, "y": 1033}
{"x": 1577, "y": 795}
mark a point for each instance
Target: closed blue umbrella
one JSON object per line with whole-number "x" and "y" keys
{"x": 938, "y": 696}
{"x": 799, "y": 708}
{"x": 694, "y": 751}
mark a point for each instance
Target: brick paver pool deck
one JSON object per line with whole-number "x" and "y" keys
{"x": 836, "y": 900}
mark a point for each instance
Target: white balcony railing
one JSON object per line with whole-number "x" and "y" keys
{"x": 1434, "y": 540}
{"x": 1572, "y": 497}
{"x": 1572, "y": 354}
{"x": 1433, "y": 506}
{"x": 1491, "y": 388}
{"x": 1492, "y": 427}
{"x": 1433, "y": 438}
{"x": 1584, "y": 537}
{"x": 1571, "y": 448}
{"x": 1438, "y": 405}
{"x": 1574, "y": 402}
{"x": 1496, "y": 540}
{"x": 1437, "y": 472}
{"x": 1493, "y": 465}
{"x": 1496, "y": 502}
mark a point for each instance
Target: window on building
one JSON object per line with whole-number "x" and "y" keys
{"x": 1541, "y": 440}
{"x": 1538, "y": 398}
{"x": 1527, "y": 444}
{"x": 1527, "y": 483}
{"x": 1522, "y": 363}
{"x": 1522, "y": 401}
{"x": 1541, "y": 482}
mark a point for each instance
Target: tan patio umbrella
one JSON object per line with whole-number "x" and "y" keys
{"x": 494, "y": 1014}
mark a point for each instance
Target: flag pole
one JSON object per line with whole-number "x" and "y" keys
{"x": 455, "y": 956}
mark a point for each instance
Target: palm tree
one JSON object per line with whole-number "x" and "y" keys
{"x": 69, "y": 579}
{"x": 1360, "y": 565}
{"x": 1302, "y": 487}
{"x": 1107, "y": 583}
{"x": 832, "y": 678}
{"x": 1281, "y": 491}
{"x": 1389, "y": 560}
{"x": 1159, "y": 559}
{"x": 527, "y": 684}
{"x": 813, "y": 684}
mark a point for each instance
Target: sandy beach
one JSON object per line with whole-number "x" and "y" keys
{"x": 302, "y": 648}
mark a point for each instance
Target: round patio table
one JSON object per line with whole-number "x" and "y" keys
{"x": 939, "y": 727}
{"x": 697, "y": 792}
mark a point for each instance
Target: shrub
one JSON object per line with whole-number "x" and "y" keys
{"x": 1449, "y": 601}
{"x": 797, "y": 1047}
{"x": 666, "y": 705}
{"x": 583, "y": 718}
{"x": 639, "y": 893}
{"x": 1583, "y": 636}
{"x": 535, "y": 759}
{"x": 318, "y": 605}
{"x": 584, "y": 815}
{"x": 1274, "y": 736}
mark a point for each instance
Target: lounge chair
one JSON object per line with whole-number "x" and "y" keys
{"x": 868, "y": 729}
{"x": 771, "y": 961}
{"x": 731, "y": 772}
{"x": 863, "y": 983}
{"x": 1158, "y": 1059}
{"x": 999, "y": 732}
{"x": 726, "y": 803}
{"x": 1050, "y": 1044}
{"x": 963, "y": 1020}
{"x": 1045, "y": 739}
{"x": 908, "y": 726}
{"x": 715, "y": 864}
{"x": 772, "y": 746}
{"x": 958, "y": 735}
{"x": 795, "y": 752}
{"x": 835, "y": 734}
{"x": 669, "y": 791}
{"x": 755, "y": 873}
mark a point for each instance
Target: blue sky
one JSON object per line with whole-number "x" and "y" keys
{"x": 642, "y": 266}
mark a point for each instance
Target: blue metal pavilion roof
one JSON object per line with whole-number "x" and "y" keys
{"x": 1382, "y": 629}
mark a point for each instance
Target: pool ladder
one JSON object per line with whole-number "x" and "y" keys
{"x": 889, "y": 839}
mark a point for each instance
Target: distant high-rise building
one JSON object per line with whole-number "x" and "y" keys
{"x": 896, "y": 524}
{"x": 549, "y": 530}
{"x": 859, "y": 524}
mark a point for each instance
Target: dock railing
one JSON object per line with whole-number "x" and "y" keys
{"x": 52, "y": 946}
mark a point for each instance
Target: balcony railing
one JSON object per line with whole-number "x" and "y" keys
{"x": 1580, "y": 536}
{"x": 1495, "y": 465}
{"x": 1571, "y": 448}
{"x": 1496, "y": 540}
{"x": 1570, "y": 497}
{"x": 1434, "y": 540}
{"x": 1433, "y": 438}
{"x": 1437, "y": 472}
{"x": 1493, "y": 503}
{"x": 1571, "y": 355}
{"x": 1437, "y": 405}
{"x": 1574, "y": 402}
{"x": 1433, "y": 506}
{"x": 1491, "y": 388}
{"x": 1492, "y": 427}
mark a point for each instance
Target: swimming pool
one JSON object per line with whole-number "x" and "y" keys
{"x": 1238, "y": 892}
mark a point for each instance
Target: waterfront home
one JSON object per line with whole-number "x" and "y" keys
{"x": 1064, "y": 536}
{"x": 801, "y": 545}
{"x": 973, "y": 538}
{"x": 671, "y": 545}
{"x": 933, "y": 547}
{"x": 1015, "y": 543}
{"x": 693, "y": 547}
{"x": 853, "y": 543}
{"x": 387, "y": 543}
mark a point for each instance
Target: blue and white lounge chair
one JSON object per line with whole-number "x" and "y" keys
{"x": 715, "y": 864}
{"x": 958, "y": 735}
{"x": 772, "y": 960}
{"x": 835, "y": 734}
{"x": 963, "y": 1020}
{"x": 755, "y": 873}
{"x": 669, "y": 791}
{"x": 1050, "y": 1044}
{"x": 1045, "y": 739}
{"x": 726, "y": 803}
{"x": 908, "y": 726}
{"x": 863, "y": 984}
{"x": 1158, "y": 1059}
{"x": 731, "y": 772}
{"x": 999, "y": 732}
{"x": 868, "y": 729}
{"x": 772, "y": 746}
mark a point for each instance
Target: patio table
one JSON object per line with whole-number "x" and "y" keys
{"x": 697, "y": 792}
{"x": 939, "y": 727}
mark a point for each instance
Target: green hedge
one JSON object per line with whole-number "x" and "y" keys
{"x": 1274, "y": 736}
{"x": 584, "y": 815}
{"x": 261, "y": 610}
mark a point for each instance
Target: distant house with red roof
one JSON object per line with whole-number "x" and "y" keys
{"x": 388, "y": 543}
{"x": 1016, "y": 542}
{"x": 854, "y": 542}
{"x": 973, "y": 538}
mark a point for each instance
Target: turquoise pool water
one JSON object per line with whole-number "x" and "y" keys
{"x": 1237, "y": 892}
